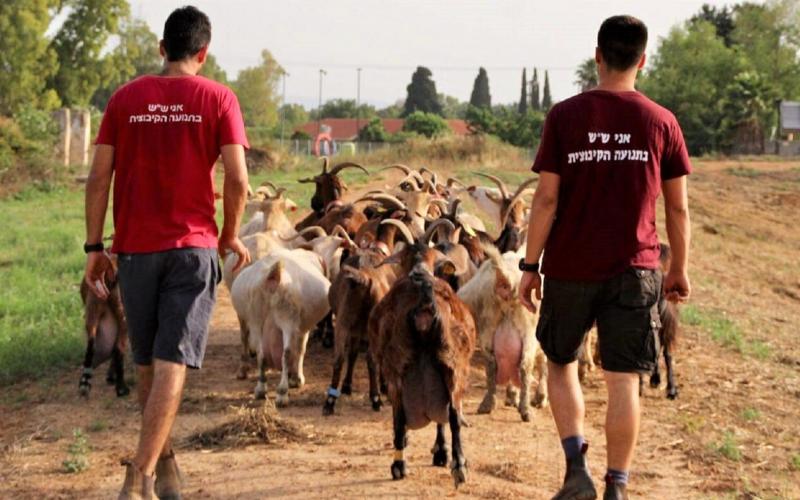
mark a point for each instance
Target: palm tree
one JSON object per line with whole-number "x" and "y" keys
{"x": 586, "y": 75}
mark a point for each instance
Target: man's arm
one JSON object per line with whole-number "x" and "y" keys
{"x": 543, "y": 211}
{"x": 234, "y": 197}
{"x": 676, "y": 208}
{"x": 96, "y": 204}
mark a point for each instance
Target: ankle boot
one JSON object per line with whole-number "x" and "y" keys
{"x": 137, "y": 486}
{"x": 578, "y": 483}
{"x": 615, "y": 490}
{"x": 168, "y": 478}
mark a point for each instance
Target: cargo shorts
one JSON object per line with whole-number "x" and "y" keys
{"x": 168, "y": 298}
{"x": 625, "y": 309}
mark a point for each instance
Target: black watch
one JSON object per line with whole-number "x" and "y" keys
{"x": 528, "y": 268}
{"x": 94, "y": 247}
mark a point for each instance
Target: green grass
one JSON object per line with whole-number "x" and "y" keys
{"x": 41, "y": 262}
{"x": 746, "y": 172}
{"x": 794, "y": 462}
{"x": 751, "y": 414}
{"x": 728, "y": 447}
{"x": 724, "y": 331}
{"x": 77, "y": 451}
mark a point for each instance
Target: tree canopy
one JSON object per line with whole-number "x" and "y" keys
{"x": 536, "y": 105}
{"x": 586, "y": 75}
{"x": 522, "y": 106}
{"x": 547, "y": 98}
{"x": 481, "y": 98}
{"x": 257, "y": 89}
{"x": 422, "y": 93}
{"x": 427, "y": 124}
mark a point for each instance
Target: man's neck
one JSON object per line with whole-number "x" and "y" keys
{"x": 180, "y": 68}
{"x": 618, "y": 82}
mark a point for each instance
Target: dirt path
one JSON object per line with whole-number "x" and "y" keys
{"x": 685, "y": 449}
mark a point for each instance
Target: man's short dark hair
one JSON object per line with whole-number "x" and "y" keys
{"x": 186, "y": 31}
{"x": 622, "y": 40}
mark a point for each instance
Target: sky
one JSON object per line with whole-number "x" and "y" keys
{"x": 388, "y": 39}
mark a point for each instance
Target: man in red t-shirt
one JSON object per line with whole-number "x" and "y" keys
{"x": 605, "y": 157}
{"x": 160, "y": 138}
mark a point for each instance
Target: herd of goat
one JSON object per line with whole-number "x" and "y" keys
{"x": 406, "y": 277}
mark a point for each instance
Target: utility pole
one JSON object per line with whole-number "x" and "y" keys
{"x": 319, "y": 108}
{"x": 358, "y": 103}
{"x": 284, "y": 74}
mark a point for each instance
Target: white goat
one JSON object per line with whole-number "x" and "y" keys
{"x": 278, "y": 300}
{"x": 270, "y": 216}
{"x": 506, "y": 333}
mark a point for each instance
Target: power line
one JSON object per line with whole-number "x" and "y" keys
{"x": 387, "y": 67}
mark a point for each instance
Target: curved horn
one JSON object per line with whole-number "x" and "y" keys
{"x": 318, "y": 230}
{"x": 434, "y": 225}
{"x": 453, "y": 210}
{"x": 348, "y": 164}
{"x": 279, "y": 193}
{"x": 340, "y": 232}
{"x": 386, "y": 200}
{"x": 406, "y": 170}
{"x": 401, "y": 226}
{"x": 519, "y": 193}
{"x": 452, "y": 180}
{"x": 325, "y": 162}
{"x": 500, "y": 184}
{"x": 434, "y": 177}
{"x": 416, "y": 181}
{"x": 306, "y": 180}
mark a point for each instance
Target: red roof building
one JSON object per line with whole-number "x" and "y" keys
{"x": 344, "y": 129}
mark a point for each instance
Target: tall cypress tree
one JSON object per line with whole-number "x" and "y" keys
{"x": 481, "y": 98}
{"x": 422, "y": 93}
{"x": 535, "y": 104}
{"x": 547, "y": 99}
{"x": 523, "y": 97}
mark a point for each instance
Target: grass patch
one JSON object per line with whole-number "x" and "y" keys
{"x": 794, "y": 462}
{"x": 728, "y": 447}
{"x": 724, "y": 331}
{"x": 98, "y": 425}
{"x": 751, "y": 414}
{"x": 77, "y": 451}
{"x": 745, "y": 172}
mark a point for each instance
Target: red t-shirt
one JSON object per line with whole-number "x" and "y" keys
{"x": 167, "y": 133}
{"x": 611, "y": 151}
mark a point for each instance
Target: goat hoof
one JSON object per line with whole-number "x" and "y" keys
{"x": 260, "y": 393}
{"x": 384, "y": 389}
{"x": 486, "y": 407}
{"x": 295, "y": 382}
{"x": 672, "y": 393}
{"x": 347, "y": 389}
{"x": 83, "y": 389}
{"x": 398, "y": 469}
{"x": 655, "y": 380}
{"x": 512, "y": 399}
{"x": 111, "y": 378}
{"x": 122, "y": 390}
{"x": 540, "y": 401}
{"x": 282, "y": 400}
{"x": 439, "y": 456}
{"x": 376, "y": 403}
{"x": 241, "y": 373}
{"x": 327, "y": 408}
{"x": 459, "y": 473}
{"x": 525, "y": 414}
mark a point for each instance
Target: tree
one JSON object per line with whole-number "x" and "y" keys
{"x": 344, "y": 108}
{"x": 257, "y": 89}
{"x": 523, "y": 97}
{"x": 535, "y": 104}
{"x": 547, "y": 99}
{"x": 452, "y": 107}
{"x": 136, "y": 54}
{"x": 212, "y": 70}
{"x": 27, "y": 60}
{"x": 480, "y": 97}
{"x": 722, "y": 19}
{"x": 586, "y": 75}
{"x": 422, "y": 93}
{"x": 79, "y": 44}
{"x": 294, "y": 115}
{"x": 373, "y": 132}
{"x": 747, "y": 109}
{"x": 392, "y": 111}
{"x": 427, "y": 124}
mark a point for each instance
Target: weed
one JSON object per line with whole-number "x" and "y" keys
{"x": 693, "y": 423}
{"x": 728, "y": 447}
{"x": 724, "y": 331}
{"x": 794, "y": 462}
{"x": 751, "y": 414}
{"x": 98, "y": 425}
{"x": 77, "y": 460}
{"x": 744, "y": 172}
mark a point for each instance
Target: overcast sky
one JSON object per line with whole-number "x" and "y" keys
{"x": 388, "y": 39}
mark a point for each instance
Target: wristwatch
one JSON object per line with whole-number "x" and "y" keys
{"x": 528, "y": 268}
{"x": 94, "y": 247}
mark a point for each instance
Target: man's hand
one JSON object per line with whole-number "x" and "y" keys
{"x": 676, "y": 286}
{"x": 529, "y": 283}
{"x": 235, "y": 245}
{"x": 98, "y": 269}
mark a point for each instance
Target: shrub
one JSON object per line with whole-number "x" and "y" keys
{"x": 373, "y": 132}
{"x": 76, "y": 460}
{"x": 37, "y": 126}
{"x": 427, "y": 124}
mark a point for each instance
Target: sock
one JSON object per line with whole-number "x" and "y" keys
{"x": 573, "y": 446}
{"x": 616, "y": 476}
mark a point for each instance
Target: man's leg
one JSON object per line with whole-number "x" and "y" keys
{"x": 566, "y": 398}
{"x": 145, "y": 381}
{"x": 622, "y": 419}
{"x": 162, "y": 401}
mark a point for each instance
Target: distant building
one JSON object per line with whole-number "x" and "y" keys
{"x": 787, "y": 143}
{"x": 344, "y": 129}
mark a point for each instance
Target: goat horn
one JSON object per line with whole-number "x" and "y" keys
{"x": 432, "y": 228}
{"x": 401, "y": 226}
{"x": 306, "y": 180}
{"x": 325, "y": 162}
{"x": 519, "y": 193}
{"x": 500, "y": 184}
{"x": 434, "y": 177}
{"x": 348, "y": 164}
{"x": 453, "y": 210}
{"x": 415, "y": 180}
{"x": 406, "y": 170}
{"x": 279, "y": 193}
{"x": 452, "y": 180}
{"x": 269, "y": 184}
{"x": 318, "y": 230}
{"x": 342, "y": 233}
{"x": 386, "y": 200}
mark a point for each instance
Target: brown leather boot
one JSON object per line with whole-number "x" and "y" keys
{"x": 137, "y": 486}
{"x": 168, "y": 478}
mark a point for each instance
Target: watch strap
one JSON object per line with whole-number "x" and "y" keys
{"x": 526, "y": 267}
{"x": 94, "y": 247}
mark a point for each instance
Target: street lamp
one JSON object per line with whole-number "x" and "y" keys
{"x": 284, "y": 74}
{"x": 319, "y": 108}
{"x": 358, "y": 104}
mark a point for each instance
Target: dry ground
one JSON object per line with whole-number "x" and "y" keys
{"x": 734, "y": 431}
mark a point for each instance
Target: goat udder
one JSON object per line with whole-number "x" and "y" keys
{"x": 425, "y": 396}
{"x": 106, "y": 339}
{"x": 508, "y": 354}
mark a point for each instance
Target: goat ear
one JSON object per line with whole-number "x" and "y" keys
{"x": 471, "y": 189}
{"x": 291, "y": 206}
{"x": 274, "y": 277}
{"x": 493, "y": 197}
{"x": 446, "y": 268}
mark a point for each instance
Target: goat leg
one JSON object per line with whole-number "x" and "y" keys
{"x": 655, "y": 376}
{"x": 459, "y": 467}
{"x": 347, "y": 385}
{"x": 512, "y": 395}
{"x": 540, "y": 366}
{"x": 282, "y": 396}
{"x": 244, "y": 361}
{"x": 524, "y": 406}
{"x": 440, "y": 450}
{"x": 399, "y": 423}
{"x": 85, "y": 383}
{"x": 261, "y": 386}
{"x": 374, "y": 394}
{"x": 333, "y": 391}
{"x": 672, "y": 389}
{"x": 487, "y": 405}
{"x": 118, "y": 366}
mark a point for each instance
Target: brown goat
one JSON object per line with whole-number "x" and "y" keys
{"x": 329, "y": 189}
{"x": 422, "y": 336}
{"x": 106, "y": 337}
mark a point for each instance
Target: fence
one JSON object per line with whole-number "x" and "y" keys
{"x": 348, "y": 148}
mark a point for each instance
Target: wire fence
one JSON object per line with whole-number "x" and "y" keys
{"x": 305, "y": 147}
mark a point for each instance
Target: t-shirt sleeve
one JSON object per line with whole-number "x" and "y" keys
{"x": 548, "y": 157}
{"x": 675, "y": 161}
{"x": 231, "y": 129}
{"x": 107, "y": 134}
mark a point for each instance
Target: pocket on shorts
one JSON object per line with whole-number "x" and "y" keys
{"x": 640, "y": 287}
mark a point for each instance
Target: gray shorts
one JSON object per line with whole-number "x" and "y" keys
{"x": 168, "y": 298}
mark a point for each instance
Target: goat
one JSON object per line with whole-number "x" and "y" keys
{"x": 329, "y": 189}
{"x": 270, "y": 215}
{"x": 506, "y": 334}
{"x": 278, "y": 300}
{"x": 511, "y": 213}
{"x": 106, "y": 336}
{"x": 422, "y": 337}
